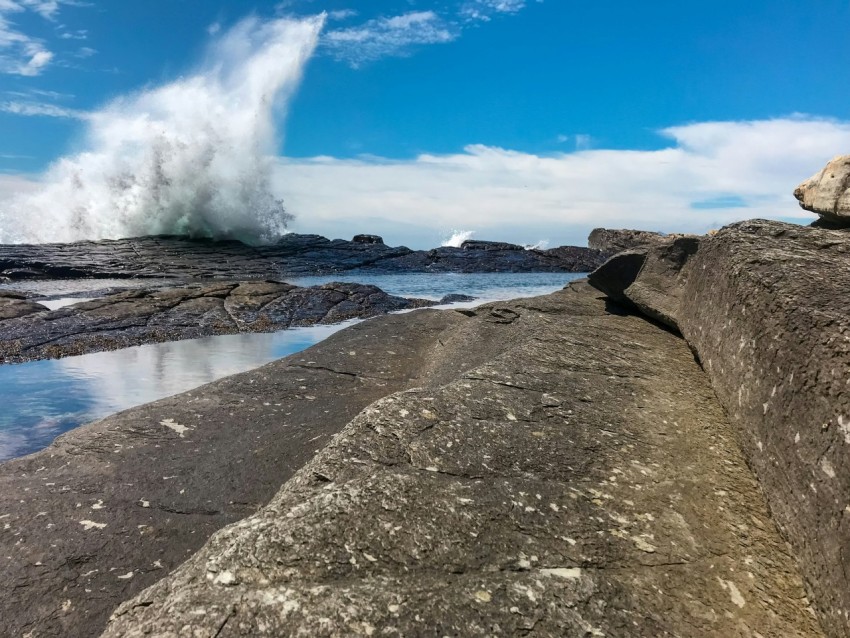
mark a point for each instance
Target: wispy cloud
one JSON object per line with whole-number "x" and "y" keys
{"x": 484, "y": 10}
{"x": 24, "y": 54}
{"x": 79, "y": 34}
{"x": 20, "y": 54}
{"x": 400, "y": 35}
{"x": 342, "y": 14}
{"x": 393, "y": 36}
{"x": 41, "y": 109}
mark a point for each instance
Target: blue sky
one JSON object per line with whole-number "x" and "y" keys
{"x": 477, "y": 89}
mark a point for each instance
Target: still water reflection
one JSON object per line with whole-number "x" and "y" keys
{"x": 42, "y": 399}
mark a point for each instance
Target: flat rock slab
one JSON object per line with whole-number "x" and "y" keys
{"x": 578, "y": 479}
{"x": 112, "y": 507}
{"x": 155, "y": 257}
{"x": 29, "y": 331}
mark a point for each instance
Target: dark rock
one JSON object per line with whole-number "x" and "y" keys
{"x": 766, "y": 308}
{"x": 653, "y": 286}
{"x": 822, "y": 222}
{"x": 165, "y": 314}
{"x": 571, "y": 473}
{"x": 176, "y": 257}
{"x": 456, "y": 298}
{"x": 14, "y": 304}
{"x": 611, "y": 241}
{"x": 367, "y": 239}
{"x": 477, "y": 244}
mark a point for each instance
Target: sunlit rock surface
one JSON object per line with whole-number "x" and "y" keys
{"x": 572, "y": 474}
{"x": 766, "y": 308}
{"x": 828, "y": 193}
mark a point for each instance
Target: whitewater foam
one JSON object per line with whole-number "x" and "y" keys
{"x": 457, "y": 238}
{"x": 192, "y": 157}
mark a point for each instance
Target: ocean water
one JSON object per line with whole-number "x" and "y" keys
{"x": 43, "y": 399}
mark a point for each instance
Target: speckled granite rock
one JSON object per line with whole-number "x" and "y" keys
{"x": 578, "y": 479}
{"x": 184, "y": 312}
{"x": 766, "y": 307}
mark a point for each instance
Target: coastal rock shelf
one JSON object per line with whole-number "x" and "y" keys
{"x": 572, "y": 483}
{"x": 136, "y": 317}
{"x": 766, "y": 307}
{"x": 176, "y": 257}
{"x": 558, "y": 465}
{"x": 515, "y": 466}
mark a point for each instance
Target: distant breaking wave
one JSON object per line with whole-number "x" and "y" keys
{"x": 188, "y": 158}
{"x": 457, "y": 238}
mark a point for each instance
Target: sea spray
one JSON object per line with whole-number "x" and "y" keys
{"x": 192, "y": 157}
{"x": 457, "y": 238}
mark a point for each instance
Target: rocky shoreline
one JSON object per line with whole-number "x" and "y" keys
{"x": 29, "y": 331}
{"x": 556, "y": 465}
{"x": 659, "y": 450}
{"x": 181, "y": 258}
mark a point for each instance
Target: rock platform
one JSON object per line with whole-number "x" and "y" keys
{"x": 662, "y": 454}
{"x": 294, "y": 254}
{"x": 29, "y": 331}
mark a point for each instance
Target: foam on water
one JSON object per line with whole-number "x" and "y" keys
{"x": 190, "y": 158}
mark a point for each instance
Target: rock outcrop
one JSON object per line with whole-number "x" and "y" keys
{"x": 16, "y": 304}
{"x": 611, "y": 241}
{"x": 766, "y": 308}
{"x": 176, "y": 257}
{"x": 565, "y": 469}
{"x": 828, "y": 193}
{"x": 112, "y": 507}
{"x": 30, "y": 331}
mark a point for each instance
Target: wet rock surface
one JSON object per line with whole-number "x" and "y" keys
{"x": 563, "y": 469}
{"x": 766, "y": 307}
{"x": 155, "y": 257}
{"x": 29, "y": 331}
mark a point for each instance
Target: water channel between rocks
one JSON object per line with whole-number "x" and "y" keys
{"x": 42, "y": 399}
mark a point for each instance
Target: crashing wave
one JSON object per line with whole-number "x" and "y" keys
{"x": 192, "y": 157}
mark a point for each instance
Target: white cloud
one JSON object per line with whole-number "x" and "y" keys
{"x": 40, "y": 109}
{"x": 342, "y": 14}
{"x": 85, "y": 52}
{"x": 23, "y": 54}
{"x": 485, "y": 9}
{"x": 47, "y": 9}
{"x": 382, "y": 37}
{"x": 79, "y": 34}
{"x": 714, "y": 173}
